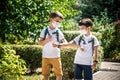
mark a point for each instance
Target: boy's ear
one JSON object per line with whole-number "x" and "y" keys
{"x": 89, "y": 28}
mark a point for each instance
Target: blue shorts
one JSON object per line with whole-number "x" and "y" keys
{"x": 84, "y": 70}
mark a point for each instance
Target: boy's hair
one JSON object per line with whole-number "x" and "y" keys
{"x": 86, "y": 22}
{"x": 56, "y": 14}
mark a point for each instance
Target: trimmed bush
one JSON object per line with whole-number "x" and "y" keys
{"x": 67, "y": 56}
{"x": 31, "y": 54}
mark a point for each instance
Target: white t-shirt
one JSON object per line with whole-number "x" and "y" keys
{"x": 48, "y": 50}
{"x": 85, "y": 57}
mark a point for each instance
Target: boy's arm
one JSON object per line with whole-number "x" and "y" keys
{"x": 95, "y": 61}
{"x": 65, "y": 44}
{"x": 96, "y": 53}
{"x": 44, "y": 41}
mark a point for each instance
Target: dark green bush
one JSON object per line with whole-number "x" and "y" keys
{"x": 104, "y": 26}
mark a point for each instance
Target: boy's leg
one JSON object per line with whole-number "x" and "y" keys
{"x": 46, "y": 77}
{"x": 78, "y": 72}
{"x": 46, "y": 68}
{"x": 58, "y": 77}
{"x": 57, "y": 66}
{"x": 87, "y": 72}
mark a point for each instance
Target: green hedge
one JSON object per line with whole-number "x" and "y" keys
{"x": 32, "y": 54}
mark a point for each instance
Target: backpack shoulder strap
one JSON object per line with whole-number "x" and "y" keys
{"x": 80, "y": 38}
{"x": 57, "y": 35}
{"x": 46, "y": 32}
{"x": 93, "y": 42}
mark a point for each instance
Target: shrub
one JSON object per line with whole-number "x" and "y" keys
{"x": 11, "y": 66}
{"x": 104, "y": 26}
{"x": 115, "y": 54}
{"x": 31, "y": 54}
{"x": 67, "y": 56}
{"x": 70, "y": 35}
{"x": 115, "y": 44}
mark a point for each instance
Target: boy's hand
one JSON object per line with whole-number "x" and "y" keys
{"x": 48, "y": 38}
{"x": 55, "y": 44}
{"x": 94, "y": 65}
{"x": 81, "y": 48}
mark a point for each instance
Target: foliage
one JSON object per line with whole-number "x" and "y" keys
{"x": 115, "y": 44}
{"x": 91, "y": 8}
{"x": 13, "y": 39}
{"x": 70, "y": 24}
{"x": 11, "y": 66}
{"x": 26, "y": 18}
{"x": 115, "y": 54}
{"x": 67, "y": 56}
{"x": 103, "y": 26}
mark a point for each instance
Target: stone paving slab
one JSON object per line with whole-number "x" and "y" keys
{"x": 107, "y": 75}
{"x": 108, "y": 71}
{"x": 110, "y": 66}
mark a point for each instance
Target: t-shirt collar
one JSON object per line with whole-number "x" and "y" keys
{"x": 89, "y": 36}
{"x": 51, "y": 29}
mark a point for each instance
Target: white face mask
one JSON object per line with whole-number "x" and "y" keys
{"x": 56, "y": 24}
{"x": 83, "y": 32}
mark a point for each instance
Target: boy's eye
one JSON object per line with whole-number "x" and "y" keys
{"x": 57, "y": 21}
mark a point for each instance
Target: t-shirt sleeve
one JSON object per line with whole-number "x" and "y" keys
{"x": 76, "y": 40}
{"x": 42, "y": 34}
{"x": 96, "y": 43}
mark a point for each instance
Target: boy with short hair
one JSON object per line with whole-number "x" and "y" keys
{"x": 50, "y": 54}
{"x": 87, "y": 45}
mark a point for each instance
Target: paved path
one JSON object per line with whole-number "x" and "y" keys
{"x": 108, "y": 71}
